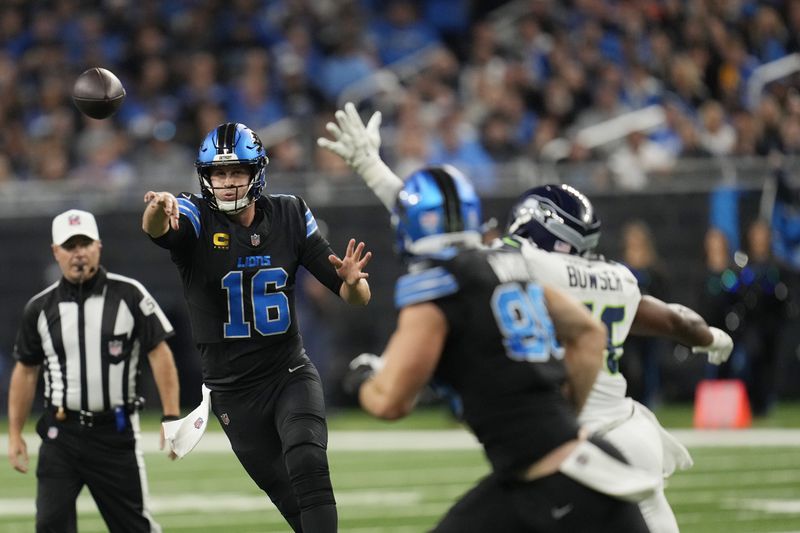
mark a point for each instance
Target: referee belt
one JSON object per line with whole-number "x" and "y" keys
{"x": 90, "y": 418}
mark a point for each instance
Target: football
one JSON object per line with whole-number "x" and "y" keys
{"x": 98, "y": 93}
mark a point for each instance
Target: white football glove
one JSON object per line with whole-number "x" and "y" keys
{"x": 358, "y": 145}
{"x": 720, "y": 348}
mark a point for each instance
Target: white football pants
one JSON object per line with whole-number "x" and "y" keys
{"x": 639, "y": 439}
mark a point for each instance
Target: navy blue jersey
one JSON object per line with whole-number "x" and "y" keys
{"x": 239, "y": 283}
{"x": 500, "y": 355}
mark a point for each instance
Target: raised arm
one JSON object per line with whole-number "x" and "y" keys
{"x": 583, "y": 338}
{"x": 358, "y": 145}
{"x": 681, "y": 324}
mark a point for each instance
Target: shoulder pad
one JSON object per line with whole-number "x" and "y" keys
{"x": 190, "y": 210}
{"x": 424, "y": 286}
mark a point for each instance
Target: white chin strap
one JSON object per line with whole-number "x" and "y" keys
{"x": 233, "y": 206}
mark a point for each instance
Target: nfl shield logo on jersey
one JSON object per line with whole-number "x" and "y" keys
{"x": 225, "y": 419}
{"x": 198, "y": 423}
{"x": 114, "y": 348}
{"x": 255, "y": 239}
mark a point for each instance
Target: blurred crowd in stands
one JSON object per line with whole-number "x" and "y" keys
{"x": 476, "y": 84}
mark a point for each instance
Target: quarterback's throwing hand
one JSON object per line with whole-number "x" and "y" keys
{"x": 350, "y": 268}
{"x": 720, "y": 348}
{"x": 167, "y": 203}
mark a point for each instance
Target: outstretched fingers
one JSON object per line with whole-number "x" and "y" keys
{"x": 353, "y": 118}
{"x": 365, "y": 261}
{"x": 334, "y": 130}
{"x": 374, "y": 123}
{"x": 335, "y": 261}
{"x": 337, "y": 145}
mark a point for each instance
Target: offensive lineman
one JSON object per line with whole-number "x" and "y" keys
{"x": 238, "y": 252}
{"x": 475, "y": 319}
{"x": 560, "y": 219}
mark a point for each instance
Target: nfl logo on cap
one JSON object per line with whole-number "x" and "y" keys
{"x": 74, "y": 222}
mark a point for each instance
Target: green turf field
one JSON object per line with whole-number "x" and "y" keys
{"x": 731, "y": 489}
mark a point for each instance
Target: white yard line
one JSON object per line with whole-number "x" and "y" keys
{"x": 458, "y": 439}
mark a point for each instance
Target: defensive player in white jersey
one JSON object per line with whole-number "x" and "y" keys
{"x": 557, "y": 230}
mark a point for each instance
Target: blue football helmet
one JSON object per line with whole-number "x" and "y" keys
{"x": 556, "y": 218}
{"x": 433, "y": 202}
{"x": 232, "y": 143}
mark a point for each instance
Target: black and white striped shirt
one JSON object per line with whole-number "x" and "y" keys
{"x": 90, "y": 339}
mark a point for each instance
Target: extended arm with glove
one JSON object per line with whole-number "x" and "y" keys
{"x": 721, "y": 345}
{"x": 683, "y": 325}
{"x": 358, "y": 145}
{"x": 719, "y": 349}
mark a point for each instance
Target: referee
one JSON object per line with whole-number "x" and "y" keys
{"x": 89, "y": 331}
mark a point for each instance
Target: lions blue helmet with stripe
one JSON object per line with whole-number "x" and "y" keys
{"x": 435, "y": 201}
{"x": 232, "y": 143}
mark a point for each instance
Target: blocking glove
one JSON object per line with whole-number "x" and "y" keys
{"x": 360, "y": 370}
{"x": 720, "y": 348}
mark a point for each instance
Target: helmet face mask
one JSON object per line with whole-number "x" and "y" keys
{"x": 436, "y": 207}
{"x": 232, "y": 144}
{"x": 556, "y": 218}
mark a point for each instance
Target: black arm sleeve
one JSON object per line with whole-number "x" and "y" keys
{"x": 322, "y": 269}
{"x": 176, "y": 239}
{"x": 315, "y": 252}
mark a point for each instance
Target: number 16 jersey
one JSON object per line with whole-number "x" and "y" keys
{"x": 239, "y": 284}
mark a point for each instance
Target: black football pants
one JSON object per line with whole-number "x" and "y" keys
{"x": 279, "y": 434}
{"x": 552, "y": 504}
{"x": 99, "y": 457}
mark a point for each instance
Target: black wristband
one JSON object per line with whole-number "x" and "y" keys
{"x": 169, "y": 418}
